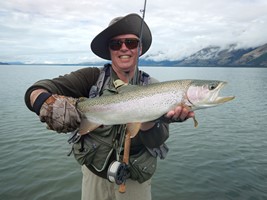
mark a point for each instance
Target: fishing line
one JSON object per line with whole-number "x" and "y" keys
{"x": 143, "y": 11}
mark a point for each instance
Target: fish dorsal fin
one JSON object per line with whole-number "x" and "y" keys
{"x": 133, "y": 128}
{"x": 86, "y": 126}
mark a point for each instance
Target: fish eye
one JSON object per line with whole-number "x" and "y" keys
{"x": 212, "y": 86}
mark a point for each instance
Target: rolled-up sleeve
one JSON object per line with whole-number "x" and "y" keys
{"x": 76, "y": 84}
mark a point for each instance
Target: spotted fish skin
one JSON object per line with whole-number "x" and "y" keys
{"x": 146, "y": 103}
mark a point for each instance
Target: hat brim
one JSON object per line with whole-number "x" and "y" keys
{"x": 130, "y": 24}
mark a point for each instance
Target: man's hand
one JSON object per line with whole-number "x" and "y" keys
{"x": 58, "y": 112}
{"x": 179, "y": 114}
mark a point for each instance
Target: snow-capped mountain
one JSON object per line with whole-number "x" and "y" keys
{"x": 230, "y": 56}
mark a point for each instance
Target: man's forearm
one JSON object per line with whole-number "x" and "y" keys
{"x": 155, "y": 136}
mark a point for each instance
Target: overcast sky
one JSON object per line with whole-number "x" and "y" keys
{"x": 60, "y": 31}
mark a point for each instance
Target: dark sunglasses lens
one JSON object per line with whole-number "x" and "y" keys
{"x": 115, "y": 45}
{"x": 131, "y": 43}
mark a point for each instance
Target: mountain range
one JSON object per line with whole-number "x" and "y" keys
{"x": 212, "y": 56}
{"x": 217, "y": 56}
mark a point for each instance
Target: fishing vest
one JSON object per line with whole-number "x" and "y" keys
{"x": 103, "y": 82}
{"x": 95, "y": 149}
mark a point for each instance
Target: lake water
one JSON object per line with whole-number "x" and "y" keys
{"x": 224, "y": 158}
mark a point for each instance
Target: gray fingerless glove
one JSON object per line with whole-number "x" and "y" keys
{"x": 59, "y": 113}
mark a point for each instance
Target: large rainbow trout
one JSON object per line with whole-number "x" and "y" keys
{"x": 140, "y": 104}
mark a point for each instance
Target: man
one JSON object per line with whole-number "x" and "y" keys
{"x": 54, "y": 101}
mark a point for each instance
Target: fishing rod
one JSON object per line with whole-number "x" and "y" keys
{"x": 118, "y": 172}
{"x": 143, "y": 11}
{"x": 127, "y": 140}
{"x": 141, "y": 30}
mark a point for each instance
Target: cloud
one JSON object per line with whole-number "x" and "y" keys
{"x": 61, "y": 31}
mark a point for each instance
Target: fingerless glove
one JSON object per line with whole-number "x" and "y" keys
{"x": 58, "y": 112}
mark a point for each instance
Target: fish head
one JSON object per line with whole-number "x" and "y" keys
{"x": 205, "y": 93}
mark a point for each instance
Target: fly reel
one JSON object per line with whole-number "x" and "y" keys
{"x": 118, "y": 172}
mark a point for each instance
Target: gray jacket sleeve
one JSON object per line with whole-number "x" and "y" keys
{"x": 76, "y": 84}
{"x": 155, "y": 136}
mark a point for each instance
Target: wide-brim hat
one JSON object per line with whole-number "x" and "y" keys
{"x": 129, "y": 24}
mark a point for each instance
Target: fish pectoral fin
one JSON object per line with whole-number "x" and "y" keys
{"x": 189, "y": 108}
{"x": 133, "y": 128}
{"x": 195, "y": 122}
{"x": 86, "y": 126}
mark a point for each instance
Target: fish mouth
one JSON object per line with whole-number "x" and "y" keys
{"x": 207, "y": 95}
{"x": 221, "y": 100}
{"x": 216, "y": 99}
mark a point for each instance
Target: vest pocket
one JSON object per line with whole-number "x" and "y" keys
{"x": 94, "y": 149}
{"x": 142, "y": 166}
{"x": 85, "y": 149}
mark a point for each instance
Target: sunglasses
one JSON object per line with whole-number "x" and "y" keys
{"x": 130, "y": 43}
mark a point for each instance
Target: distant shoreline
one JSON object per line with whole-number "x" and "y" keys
{"x": 101, "y": 64}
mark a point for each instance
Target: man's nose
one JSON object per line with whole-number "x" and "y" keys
{"x": 123, "y": 46}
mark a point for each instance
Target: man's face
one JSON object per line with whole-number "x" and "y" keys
{"x": 124, "y": 58}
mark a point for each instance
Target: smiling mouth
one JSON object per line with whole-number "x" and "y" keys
{"x": 124, "y": 57}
